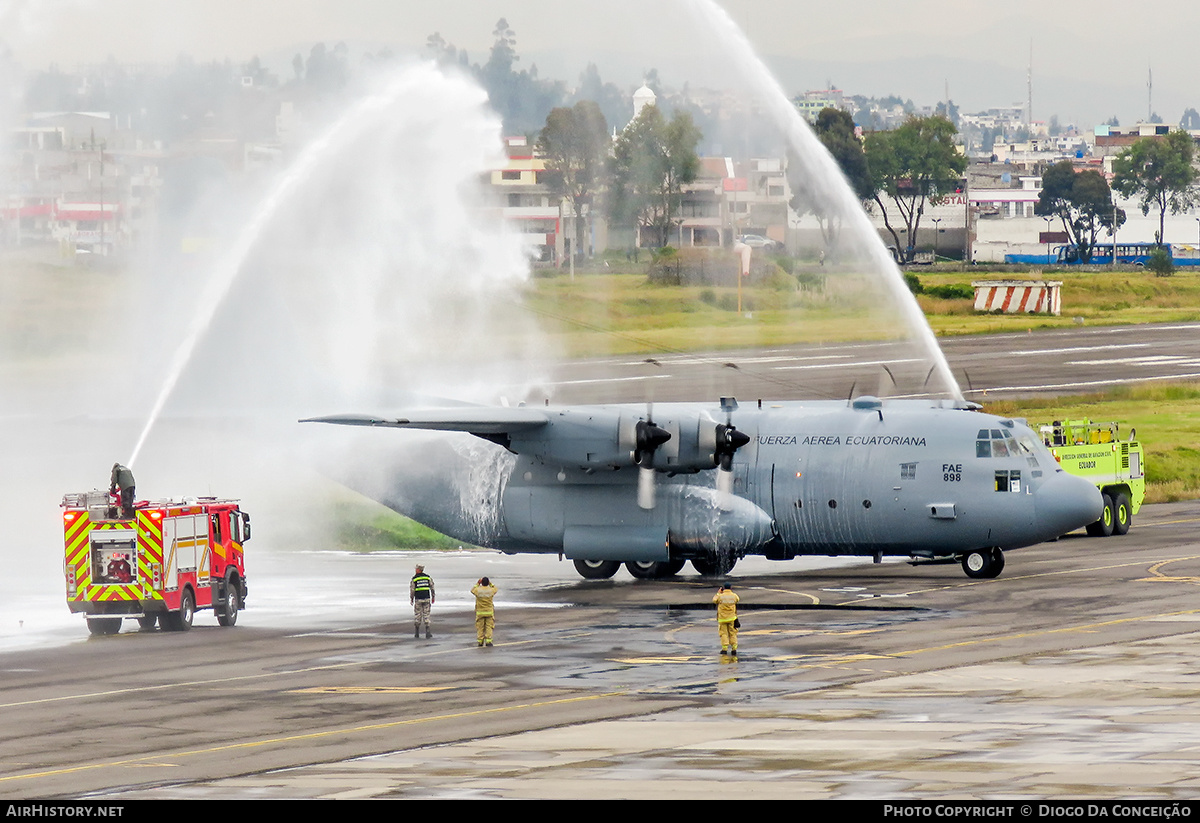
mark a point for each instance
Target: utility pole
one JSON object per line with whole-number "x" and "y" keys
{"x": 1149, "y": 93}
{"x": 1029, "y": 90}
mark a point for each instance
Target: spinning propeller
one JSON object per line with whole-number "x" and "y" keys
{"x": 729, "y": 440}
{"x": 648, "y": 438}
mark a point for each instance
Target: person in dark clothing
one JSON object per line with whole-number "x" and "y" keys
{"x": 421, "y": 595}
{"x": 122, "y": 482}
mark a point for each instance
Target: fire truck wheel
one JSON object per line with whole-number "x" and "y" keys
{"x": 1104, "y": 526}
{"x": 181, "y": 620}
{"x": 228, "y": 614}
{"x": 104, "y": 625}
{"x": 1122, "y": 515}
{"x": 147, "y": 623}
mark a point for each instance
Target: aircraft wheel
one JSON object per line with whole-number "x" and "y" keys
{"x": 229, "y": 612}
{"x": 104, "y": 625}
{"x": 1104, "y": 526}
{"x": 644, "y": 569}
{"x": 597, "y": 569}
{"x": 983, "y": 564}
{"x": 147, "y": 622}
{"x": 1122, "y": 515}
{"x": 670, "y": 568}
{"x": 714, "y": 565}
{"x": 181, "y": 620}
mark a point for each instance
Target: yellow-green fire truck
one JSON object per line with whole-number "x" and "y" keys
{"x": 1117, "y": 466}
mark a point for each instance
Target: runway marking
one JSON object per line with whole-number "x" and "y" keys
{"x": 1000, "y": 581}
{"x": 857, "y": 363}
{"x": 370, "y": 689}
{"x": 1088, "y": 627}
{"x": 1085, "y": 383}
{"x": 1159, "y": 577}
{"x": 816, "y": 601}
{"x": 270, "y": 741}
{"x": 687, "y": 658}
{"x": 177, "y": 685}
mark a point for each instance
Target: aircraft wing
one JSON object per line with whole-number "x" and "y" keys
{"x": 481, "y": 420}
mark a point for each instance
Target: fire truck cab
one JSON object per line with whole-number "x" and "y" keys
{"x": 170, "y": 559}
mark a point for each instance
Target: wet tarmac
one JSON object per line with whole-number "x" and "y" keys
{"x": 1074, "y": 674}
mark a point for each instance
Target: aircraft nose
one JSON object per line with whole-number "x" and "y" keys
{"x": 1066, "y": 502}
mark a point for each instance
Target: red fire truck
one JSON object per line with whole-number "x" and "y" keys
{"x": 169, "y": 559}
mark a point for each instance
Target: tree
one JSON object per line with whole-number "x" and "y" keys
{"x": 836, "y": 130}
{"x": 613, "y": 102}
{"x": 915, "y": 164}
{"x": 652, "y": 159}
{"x": 1190, "y": 119}
{"x": 520, "y": 98}
{"x": 1159, "y": 172}
{"x": 1082, "y": 201}
{"x": 575, "y": 145}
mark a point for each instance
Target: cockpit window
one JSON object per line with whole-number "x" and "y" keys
{"x": 995, "y": 443}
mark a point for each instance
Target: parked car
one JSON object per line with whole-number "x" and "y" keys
{"x": 757, "y": 241}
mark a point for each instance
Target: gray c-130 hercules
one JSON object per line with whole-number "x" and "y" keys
{"x": 653, "y": 487}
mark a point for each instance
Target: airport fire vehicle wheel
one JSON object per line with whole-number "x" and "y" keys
{"x": 597, "y": 569}
{"x": 1122, "y": 515}
{"x": 983, "y": 564}
{"x": 104, "y": 625}
{"x": 1104, "y": 526}
{"x": 147, "y": 622}
{"x": 714, "y": 565}
{"x": 181, "y": 620}
{"x": 229, "y": 612}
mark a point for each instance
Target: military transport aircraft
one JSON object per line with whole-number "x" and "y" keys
{"x": 652, "y": 487}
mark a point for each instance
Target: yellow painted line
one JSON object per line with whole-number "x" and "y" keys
{"x": 183, "y": 684}
{"x": 295, "y": 738}
{"x": 1008, "y": 578}
{"x": 1169, "y": 522}
{"x": 1159, "y": 577}
{"x": 371, "y": 689}
{"x": 661, "y": 659}
{"x": 1088, "y": 627}
{"x": 816, "y": 601}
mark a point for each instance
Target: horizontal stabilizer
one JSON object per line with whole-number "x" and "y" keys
{"x": 474, "y": 420}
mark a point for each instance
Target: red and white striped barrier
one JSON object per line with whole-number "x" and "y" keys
{"x": 1019, "y": 296}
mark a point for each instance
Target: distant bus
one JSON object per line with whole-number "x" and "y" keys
{"x": 1136, "y": 254}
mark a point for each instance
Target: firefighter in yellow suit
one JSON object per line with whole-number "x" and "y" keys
{"x": 727, "y": 602}
{"x": 485, "y": 613}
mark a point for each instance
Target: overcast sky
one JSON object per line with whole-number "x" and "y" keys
{"x": 1081, "y": 53}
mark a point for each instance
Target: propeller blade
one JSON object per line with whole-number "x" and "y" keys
{"x": 725, "y": 489}
{"x": 645, "y": 490}
{"x": 649, "y": 438}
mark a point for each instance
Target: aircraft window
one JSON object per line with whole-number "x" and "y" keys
{"x": 997, "y": 434}
{"x": 1008, "y": 481}
{"x": 999, "y": 448}
{"x": 866, "y": 504}
{"x": 833, "y": 504}
{"x": 983, "y": 448}
{"x": 983, "y": 435}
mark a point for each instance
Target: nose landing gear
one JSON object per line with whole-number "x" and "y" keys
{"x": 983, "y": 563}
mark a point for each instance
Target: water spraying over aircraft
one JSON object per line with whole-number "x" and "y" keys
{"x": 371, "y": 243}
{"x": 827, "y": 183}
